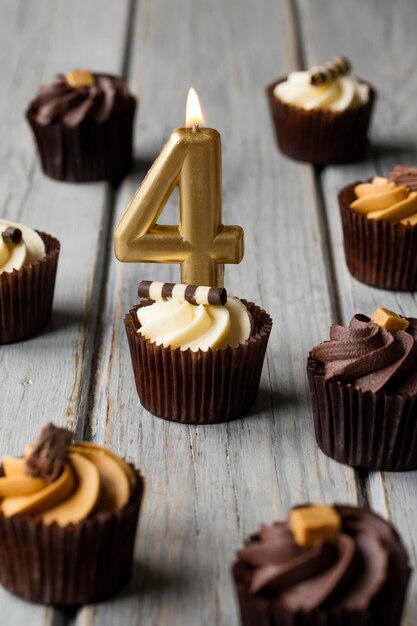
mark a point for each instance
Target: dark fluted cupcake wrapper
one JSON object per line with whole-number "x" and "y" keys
{"x": 90, "y": 151}
{"x": 77, "y": 564}
{"x": 199, "y": 387}
{"x": 384, "y": 610}
{"x": 378, "y": 253}
{"x": 321, "y": 136}
{"x": 375, "y": 431}
{"x": 26, "y": 295}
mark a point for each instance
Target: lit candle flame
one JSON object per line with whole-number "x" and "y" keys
{"x": 193, "y": 116}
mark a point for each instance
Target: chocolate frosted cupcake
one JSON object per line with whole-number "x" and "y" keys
{"x": 68, "y": 519}
{"x": 379, "y": 219}
{"x": 197, "y": 354}
{"x": 326, "y": 566}
{"x": 28, "y": 264}
{"x": 83, "y": 125}
{"x": 322, "y": 115}
{"x": 363, "y": 385}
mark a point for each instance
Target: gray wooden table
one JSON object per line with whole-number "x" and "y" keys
{"x": 207, "y": 487}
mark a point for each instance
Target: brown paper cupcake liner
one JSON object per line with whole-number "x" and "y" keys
{"x": 88, "y": 152}
{"x": 72, "y": 565}
{"x": 321, "y": 137}
{"x": 375, "y": 431}
{"x": 26, "y": 295}
{"x": 199, "y": 387}
{"x": 384, "y": 610}
{"x": 378, "y": 253}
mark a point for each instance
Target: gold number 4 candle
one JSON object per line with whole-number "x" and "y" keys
{"x": 202, "y": 245}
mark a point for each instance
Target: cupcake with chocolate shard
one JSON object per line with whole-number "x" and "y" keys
{"x": 322, "y": 115}
{"x": 83, "y": 126}
{"x": 68, "y": 519}
{"x": 28, "y": 264}
{"x": 197, "y": 353}
{"x": 363, "y": 385}
{"x": 379, "y": 219}
{"x": 327, "y": 565}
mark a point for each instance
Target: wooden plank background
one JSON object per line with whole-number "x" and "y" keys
{"x": 207, "y": 487}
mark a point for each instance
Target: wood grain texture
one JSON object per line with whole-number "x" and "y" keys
{"x": 208, "y": 487}
{"x": 47, "y": 377}
{"x": 381, "y": 44}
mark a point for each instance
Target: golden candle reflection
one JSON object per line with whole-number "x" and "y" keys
{"x": 191, "y": 160}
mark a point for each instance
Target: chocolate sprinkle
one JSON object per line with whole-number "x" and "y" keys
{"x": 49, "y": 453}
{"x": 12, "y": 235}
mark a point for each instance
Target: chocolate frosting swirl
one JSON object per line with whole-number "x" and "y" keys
{"x": 369, "y": 357}
{"x": 347, "y": 574}
{"x": 108, "y": 96}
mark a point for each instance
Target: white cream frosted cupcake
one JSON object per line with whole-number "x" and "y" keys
{"x": 322, "y": 115}
{"x": 197, "y": 354}
{"x": 28, "y": 264}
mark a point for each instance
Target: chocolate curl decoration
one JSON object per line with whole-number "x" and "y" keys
{"x": 193, "y": 294}
{"x": 49, "y": 453}
{"x": 406, "y": 176}
{"x": 12, "y": 235}
{"x": 326, "y": 73}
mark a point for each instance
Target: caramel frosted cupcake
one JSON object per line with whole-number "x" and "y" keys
{"x": 197, "y": 353}
{"x": 28, "y": 264}
{"x": 379, "y": 219}
{"x": 327, "y": 565}
{"x": 322, "y": 115}
{"x": 363, "y": 385}
{"x": 83, "y": 125}
{"x": 68, "y": 519}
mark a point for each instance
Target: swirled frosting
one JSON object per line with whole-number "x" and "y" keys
{"x": 384, "y": 199}
{"x": 369, "y": 357}
{"x": 29, "y": 250}
{"x": 106, "y": 97}
{"x": 93, "y": 479}
{"x": 338, "y": 95}
{"x": 179, "y": 324}
{"x": 345, "y": 574}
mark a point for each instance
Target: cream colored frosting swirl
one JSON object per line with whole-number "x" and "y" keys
{"x": 179, "y": 324}
{"x": 337, "y": 95}
{"x": 93, "y": 479}
{"x": 29, "y": 250}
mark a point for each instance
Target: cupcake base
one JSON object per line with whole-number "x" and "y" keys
{"x": 78, "y": 564}
{"x": 88, "y": 152}
{"x": 321, "y": 137}
{"x": 363, "y": 429}
{"x": 26, "y": 295}
{"x": 199, "y": 387}
{"x": 378, "y": 253}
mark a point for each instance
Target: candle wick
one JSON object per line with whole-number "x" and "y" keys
{"x": 195, "y": 126}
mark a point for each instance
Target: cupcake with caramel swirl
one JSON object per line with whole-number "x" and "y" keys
{"x": 379, "y": 219}
{"x": 83, "y": 123}
{"x": 68, "y": 519}
{"x": 336, "y": 565}
{"x": 363, "y": 384}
